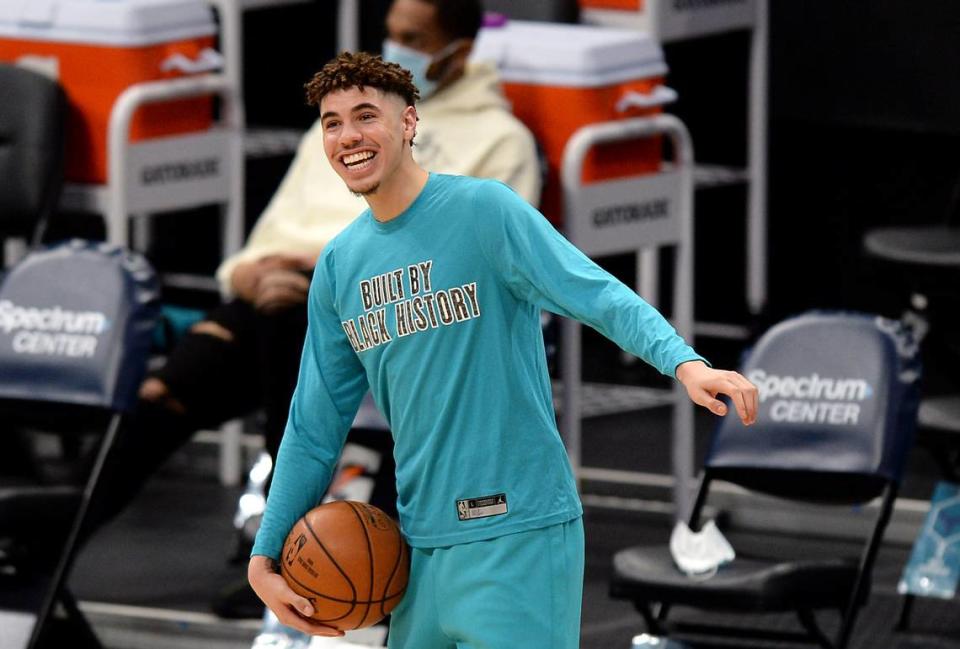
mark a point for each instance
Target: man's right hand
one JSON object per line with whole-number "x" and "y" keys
{"x": 291, "y": 609}
{"x": 274, "y": 282}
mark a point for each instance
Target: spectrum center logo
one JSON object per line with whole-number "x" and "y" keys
{"x": 52, "y": 331}
{"x": 812, "y": 399}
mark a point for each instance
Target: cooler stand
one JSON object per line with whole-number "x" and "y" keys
{"x": 668, "y": 21}
{"x": 639, "y": 214}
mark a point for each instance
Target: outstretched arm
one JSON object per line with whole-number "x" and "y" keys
{"x": 563, "y": 280}
{"x": 704, "y": 383}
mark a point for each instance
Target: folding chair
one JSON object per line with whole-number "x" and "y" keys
{"x": 33, "y": 114}
{"x": 76, "y": 321}
{"x": 838, "y": 403}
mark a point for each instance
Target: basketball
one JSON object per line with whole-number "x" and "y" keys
{"x": 350, "y": 560}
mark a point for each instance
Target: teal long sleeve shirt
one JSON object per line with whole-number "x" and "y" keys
{"x": 437, "y": 312}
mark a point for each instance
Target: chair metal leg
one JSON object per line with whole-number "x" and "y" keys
{"x": 663, "y": 609}
{"x": 67, "y": 626}
{"x": 651, "y": 616}
{"x": 858, "y": 593}
{"x": 57, "y": 589}
{"x": 809, "y": 622}
{"x": 84, "y": 635}
{"x": 903, "y": 622}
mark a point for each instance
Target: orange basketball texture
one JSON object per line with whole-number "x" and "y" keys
{"x": 350, "y": 560}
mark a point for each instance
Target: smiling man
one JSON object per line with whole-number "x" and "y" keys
{"x": 486, "y": 496}
{"x": 368, "y": 140}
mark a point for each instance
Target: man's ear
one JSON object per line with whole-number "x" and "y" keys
{"x": 409, "y": 118}
{"x": 451, "y": 67}
{"x": 463, "y": 50}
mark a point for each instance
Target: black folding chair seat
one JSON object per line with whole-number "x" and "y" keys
{"x": 37, "y": 502}
{"x": 756, "y": 584}
{"x": 42, "y": 518}
{"x": 38, "y": 517}
{"x": 27, "y": 509}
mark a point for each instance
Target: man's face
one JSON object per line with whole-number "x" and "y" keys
{"x": 413, "y": 23}
{"x": 365, "y": 135}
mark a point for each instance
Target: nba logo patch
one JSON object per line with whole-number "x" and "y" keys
{"x": 482, "y": 507}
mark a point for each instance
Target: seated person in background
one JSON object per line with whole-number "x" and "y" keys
{"x": 245, "y": 354}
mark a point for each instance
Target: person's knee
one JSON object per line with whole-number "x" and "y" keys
{"x": 153, "y": 389}
{"x": 156, "y": 391}
{"x": 210, "y": 328}
{"x": 193, "y": 370}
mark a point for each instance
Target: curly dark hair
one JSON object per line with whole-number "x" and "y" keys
{"x": 459, "y": 18}
{"x": 361, "y": 70}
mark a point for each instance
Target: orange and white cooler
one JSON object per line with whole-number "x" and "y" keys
{"x": 562, "y": 77}
{"x": 614, "y": 5}
{"x": 97, "y": 49}
{"x": 668, "y": 20}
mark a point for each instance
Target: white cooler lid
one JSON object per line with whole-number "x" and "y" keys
{"x": 568, "y": 55}
{"x": 123, "y": 23}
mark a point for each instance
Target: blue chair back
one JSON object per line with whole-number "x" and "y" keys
{"x": 838, "y": 399}
{"x": 76, "y": 324}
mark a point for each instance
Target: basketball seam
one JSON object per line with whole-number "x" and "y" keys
{"x": 336, "y": 565}
{"x": 353, "y": 603}
{"x": 366, "y": 535}
{"x": 386, "y": 598}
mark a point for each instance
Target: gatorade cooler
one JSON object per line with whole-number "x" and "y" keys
{"x": 616, "y": 5}
{"x": 562, "y": 77}
{"x": 98, "y": 48}
{"x": 668, "y": 20}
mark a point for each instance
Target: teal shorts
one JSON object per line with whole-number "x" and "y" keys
{"x": 520, "y": 590}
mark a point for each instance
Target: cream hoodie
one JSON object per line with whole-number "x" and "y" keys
{"x": 465, "y": 129}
